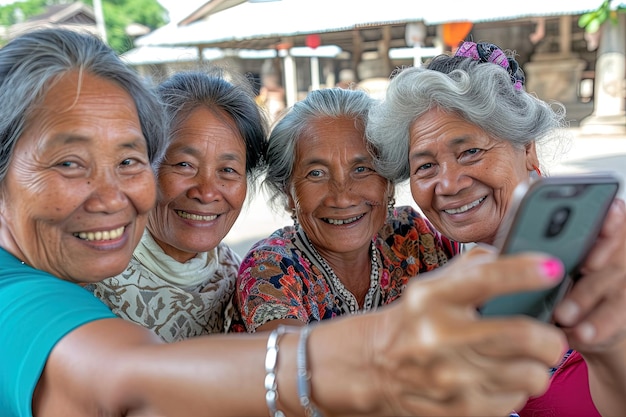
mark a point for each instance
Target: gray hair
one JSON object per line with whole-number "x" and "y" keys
{"x": 186, "y": 91}
{"x": 31, "y": 63}
{"x": 324, "y": 103}
{"x": 481, "y": 93}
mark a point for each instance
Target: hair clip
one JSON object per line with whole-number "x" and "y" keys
{"x": 488, "y": 52}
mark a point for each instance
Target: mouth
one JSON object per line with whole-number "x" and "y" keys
{"x": 340, "y": 222}
{"x": 101, "y": 234}
{"x": 196, "y": 217}
{"x": 466, "y": 207}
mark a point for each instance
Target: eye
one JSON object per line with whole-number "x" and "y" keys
{"x": 183, "y": 164}
{"x": 232, "y": 170}
{"x": 316, "y": 173}
{"x": 425, "y": 167}
{"x": 68, "y": 164}
{"x": 362, "y": 169}
{"x": 471, "y": 152}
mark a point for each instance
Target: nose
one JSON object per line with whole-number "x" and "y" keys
{"x": 341, "y": 192}
{"x": 205, "y": 188}
{"x": 108, "y": 195}
{"x": 451, "y": 179}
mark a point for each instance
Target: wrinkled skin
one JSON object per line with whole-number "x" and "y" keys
{"x": 434, "y": 356}
{"x": 339, "y": 199}
{"x": 79, "y": 185}
{"x": 462, "y": 178}
{"x": 202, "y": 185}
{"x": 455, "y": 165}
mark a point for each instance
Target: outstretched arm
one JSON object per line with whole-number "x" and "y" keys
{"x": 427, "y": 354}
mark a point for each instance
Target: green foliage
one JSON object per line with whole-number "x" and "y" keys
{"x": 118, "y": 14}
{"x": 592, "y": 21}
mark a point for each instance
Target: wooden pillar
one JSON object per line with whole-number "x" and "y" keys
{"x": 357, "y": 50}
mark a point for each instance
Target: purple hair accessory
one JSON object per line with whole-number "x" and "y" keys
{"x": 488, "y": 52}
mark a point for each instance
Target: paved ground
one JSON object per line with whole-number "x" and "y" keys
{"x": 584, "y": 153}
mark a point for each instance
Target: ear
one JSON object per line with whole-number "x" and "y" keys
{"x": 391, "y": 190}
{"x": 532, "y": 161}
{"x": 291, "y": 202}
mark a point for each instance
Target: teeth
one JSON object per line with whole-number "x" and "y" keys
{"x": 345, "y": 221}
{"x": 101, "y": 235}
{"x": 190, "y": 216}
{"x": 465, "y": 207}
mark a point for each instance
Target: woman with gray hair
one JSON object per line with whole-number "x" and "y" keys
{"x": 350, "y": 249}
{"x": 181, "y": 278}
{"x": 79, "y": 133}
{"x": 465, "y": 133}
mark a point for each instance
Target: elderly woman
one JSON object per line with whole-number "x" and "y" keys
{"x": 471, "y": 134}
{"x": 350, "y": 250}
{"x": 79, "y": 134}
{"x": 182, "y": 276}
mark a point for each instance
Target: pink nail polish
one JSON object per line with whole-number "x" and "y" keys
{"x": 553, "y": 268}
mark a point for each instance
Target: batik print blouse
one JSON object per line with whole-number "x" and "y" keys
{"x": 277, "y": 280}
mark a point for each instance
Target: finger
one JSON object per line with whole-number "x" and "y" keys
{"x": 522, "y": 336}
{"x": 603, "y": 326}
{"x": 587, "y": 293}
{"x": 473, "y": 346}
{"x": 479, "y": 275}
{"x": 611, "y": 239}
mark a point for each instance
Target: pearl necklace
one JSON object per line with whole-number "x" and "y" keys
{"x": 341, "y": 291}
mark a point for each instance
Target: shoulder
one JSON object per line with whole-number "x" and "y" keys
{"x": 226, "y": 256}
{"x": 408, "y": 225}
{"x": 279, "y": 244}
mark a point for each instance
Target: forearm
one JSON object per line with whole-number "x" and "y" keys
{"x": 217, "y": 376}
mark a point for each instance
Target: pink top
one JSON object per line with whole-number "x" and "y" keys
{"x": 568, "y": 394}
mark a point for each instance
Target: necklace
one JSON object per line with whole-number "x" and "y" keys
{"x": 337, "y": 287}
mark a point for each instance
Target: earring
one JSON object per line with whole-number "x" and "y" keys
{"x": 294, "y": 217}
{"x": 537, "y": 170}
{"x": 391, "y": 207}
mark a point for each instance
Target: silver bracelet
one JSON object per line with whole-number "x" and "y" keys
{"x": 271, "y": 360}
{"x": 304, "y": 377}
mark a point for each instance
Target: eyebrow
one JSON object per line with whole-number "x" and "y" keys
{"x": 453, "y": 144}
{"x": 190, "y": 150}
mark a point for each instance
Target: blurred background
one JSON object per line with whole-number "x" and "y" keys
{"x": 572, "y": 51}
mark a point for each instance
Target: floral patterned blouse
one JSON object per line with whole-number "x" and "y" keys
{"x": 278, "y": 281}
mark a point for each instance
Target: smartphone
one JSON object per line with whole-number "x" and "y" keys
{"x": 560, "y": 215}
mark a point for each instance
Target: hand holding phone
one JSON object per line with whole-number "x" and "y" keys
{"x": 561, "y": 216}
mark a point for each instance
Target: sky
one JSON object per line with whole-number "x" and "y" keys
{"x": 179, "y": 9}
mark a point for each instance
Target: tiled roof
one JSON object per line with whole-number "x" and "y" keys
{"x": 298, "y": 17}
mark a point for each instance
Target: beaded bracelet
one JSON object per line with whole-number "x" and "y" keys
{"x": 271, "y": 360}
{"x": 304, "y": 378}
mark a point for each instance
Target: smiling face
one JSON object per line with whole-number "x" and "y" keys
{"x": 340, "y": 201}
{"x": 202, "y": 185}
{"x": 79, "y": 185}
{"x": 462, "y": 178}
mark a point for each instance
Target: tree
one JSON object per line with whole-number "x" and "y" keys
{"x": 593, "y": 20}
{"x": 118, "y": 14}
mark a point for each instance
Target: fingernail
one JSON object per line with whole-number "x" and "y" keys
{"x": 567, "y": 312}
{"x": 586, "y": 332}
{"x": 553, "y": 269}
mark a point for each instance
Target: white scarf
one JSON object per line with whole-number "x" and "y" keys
{"x": 188, "y": 274}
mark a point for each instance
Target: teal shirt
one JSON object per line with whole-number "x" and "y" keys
{"x": 36, "y": 311}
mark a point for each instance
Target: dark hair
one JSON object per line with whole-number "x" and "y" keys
{"x": 31, "y": 63}
{"x": 184, "y": 92}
